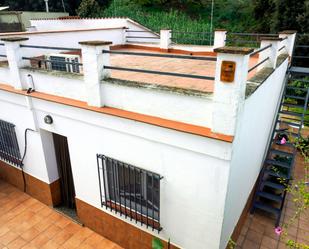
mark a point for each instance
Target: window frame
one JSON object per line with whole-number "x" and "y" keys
{"x": 143, "y": 204}
{"x": 9, "y": 148}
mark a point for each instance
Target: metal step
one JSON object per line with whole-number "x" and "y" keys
{"x": 288, "y": 123}
{"x": 274, "y": 185}
{"x": 293, "y": 105}
{"x": 269, "y": 196}
{"x": 281, "y": 153}
{"x": 296, "y": 114}
{"x": 288, "y": 144}
{"x": 297, "y": 88}
{"x": 276, "y": 174}
{"x": 287, "y": 133}
{"x": 267, "y": 208}
{"x": 294, "y": 97}
{"x": 277, "y": 163}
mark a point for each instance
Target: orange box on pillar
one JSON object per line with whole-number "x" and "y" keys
{"x": 228, "y": 71}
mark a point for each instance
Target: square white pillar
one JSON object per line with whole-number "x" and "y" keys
{"x": 165, "y": 39}
{"x": 14, "y": 56}
{"x": 94, "y": 61}
{"x": 289, "y": 37}
{"x": 229, "y": 96}
{"x": 220, "y": 38}
{"x": 271, "y": 52}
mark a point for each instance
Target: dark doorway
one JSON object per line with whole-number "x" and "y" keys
{"x": 67, "y": 205}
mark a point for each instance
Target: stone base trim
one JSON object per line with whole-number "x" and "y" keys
{"x": 114, "y": 229}
{"x": 49, "y": 194}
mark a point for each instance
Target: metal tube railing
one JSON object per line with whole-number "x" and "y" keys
{"x": 3, "y": 55}
{"x": 189, "y": 32}
{"x": 144, "y": 37}
{"x": 1, "y": 44}
{"x": 240, "y": 41}
{"x": 260, "y": 50}
{"x": 52, "y": 61}
{"x": 47, "y": 47}
{"x": 302, "y": 46}
{"x": 281, "y": 48}
{"x": 260, "y": 63}
{"x": 251, "y": 34}
{"x": 160, "y": 73}
{"x": 161, "y": 55}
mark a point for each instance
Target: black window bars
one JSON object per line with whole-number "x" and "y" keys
{"x": 130, "y": 191}
{"x": 160, "y": 72}
{"x": 9, "y": 149}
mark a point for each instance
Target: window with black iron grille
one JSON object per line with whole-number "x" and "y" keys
{"x": 9, "y": 150}
{"x": 129, "y": 190}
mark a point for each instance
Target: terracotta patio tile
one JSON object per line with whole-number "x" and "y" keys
{"x": 51, "y": 245}
{"x": 62, "y": 222}
{"x": 51, "y": 231}
{"x": 39, "y": 240}
{"x": 269, "y": 242}
{"x": 17, "y": 243}
{"x": 8, "y": 237}
{"x": 30, "y": 234}
{"x": 240, "y": 240}
{"x": 43, "y": 225}
{"x": 254, "y": 236}
{"x": 248, "y": 244}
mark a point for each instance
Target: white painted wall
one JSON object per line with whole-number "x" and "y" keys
{"x": 65, "y": 39}
{"x": 90, "y": 23}
{"x": 56, "y": 83}
{"x": 195, "y": 169}
{"x": 14, "y": 109}
{"x": 4, "y": 75}
{"x": 159, "y": 103}
{"x": 254, "y": 128}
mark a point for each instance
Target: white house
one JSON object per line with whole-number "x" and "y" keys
{"x": 137, "y": 154}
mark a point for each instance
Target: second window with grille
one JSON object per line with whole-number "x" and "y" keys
{"x": 129, "y": 190}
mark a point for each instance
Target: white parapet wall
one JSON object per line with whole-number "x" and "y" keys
{"x": 253, "y": 132}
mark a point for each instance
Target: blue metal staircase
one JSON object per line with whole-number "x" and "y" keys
{"x": 278, "y": 166}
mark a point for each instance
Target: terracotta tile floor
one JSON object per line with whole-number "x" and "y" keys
{"x": 28, "y": 224}
{"x": 196, "y": 67}
{"x": 258, "y": 231}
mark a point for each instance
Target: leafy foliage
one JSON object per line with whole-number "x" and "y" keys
{"x": 157, "y": 244}
{"x": 88, "y": 8}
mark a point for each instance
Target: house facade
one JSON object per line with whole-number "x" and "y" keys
{"x": 137, "y": 157}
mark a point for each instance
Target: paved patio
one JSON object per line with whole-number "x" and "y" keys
{"x": 27, "y": 223}
{"x": 195, "y": 67}
{"x": 258, "y": 232}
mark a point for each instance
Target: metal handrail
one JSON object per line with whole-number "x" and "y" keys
{"x": 145, "y": 37}
{"x": 60, "y": 62}
{"x": 284, "y": 38}
{"x": 241, "y": 41}
{"x": 281, "y": 48}
{"x": 139, "y": 31}
{"x": 46, "y": 47}
{"x": 1, "y": 44}
{"x": 302, "y": 46}
{"x": 301, "y": 57}
{"x": 251, "y": 34}
{"x": 161, "y": 55}
{"x": 160, "y": 73}
{"x": 260, "y": 50}
{"x": 260, "y": 63}
{"x": 3, "y": 55}
{"x": 189, "y": 32}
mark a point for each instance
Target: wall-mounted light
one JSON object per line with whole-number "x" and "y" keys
{"x": 48, "y": 119}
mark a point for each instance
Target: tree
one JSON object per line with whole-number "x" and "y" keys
{"x": 88, "y": 8}
{"x": 264, "y": 11}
